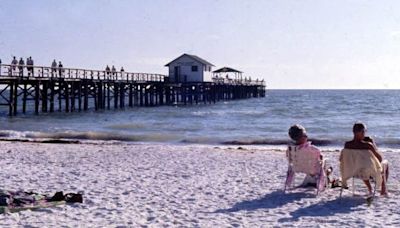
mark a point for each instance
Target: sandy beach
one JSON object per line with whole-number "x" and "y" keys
{"x": 180, "y": 186}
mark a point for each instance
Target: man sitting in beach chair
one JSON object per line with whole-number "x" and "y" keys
{"x": 305, "y": 158}
{"x": 360, "y": 159}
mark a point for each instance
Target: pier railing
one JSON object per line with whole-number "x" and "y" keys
{"x": 42, "y": 72}
{"x": 231, "y": 81}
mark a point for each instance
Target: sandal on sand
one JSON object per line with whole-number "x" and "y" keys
{"x": 59, "y": 196}
{"x": 336, "y": 183}
{"x": 73, "y": 198}
{"x": 69, "y": 197}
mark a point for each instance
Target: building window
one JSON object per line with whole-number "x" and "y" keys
{"x": 195, "y": 68}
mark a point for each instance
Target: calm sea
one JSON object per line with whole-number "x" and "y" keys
{"x": 328, "y": 116}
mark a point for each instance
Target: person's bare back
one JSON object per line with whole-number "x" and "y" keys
{"x": 363, "y": 145}
{"x": 360, "y": 141}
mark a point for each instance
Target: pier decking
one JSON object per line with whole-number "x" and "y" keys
{"x": 45, "y": 89}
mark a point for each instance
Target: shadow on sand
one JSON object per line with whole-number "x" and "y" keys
{"x": 273, "y": 200}
{"x": 326, "y": 208}
{"x": 278, "y": 199}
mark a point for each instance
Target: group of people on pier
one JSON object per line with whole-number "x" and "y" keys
{"x": 18, "y": 66}
{"x": 55, "y": 67}
{"x": 112, "y": 73}
{"x": 21, "y": 65}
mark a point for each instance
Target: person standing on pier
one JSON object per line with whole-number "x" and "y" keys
{"x": 123, "y": 72}
{"x": 60, "y": 68}
{"x": 21, "y": 66}
{"x": 114, "y": 72}
{"x": 53, "y": 68}
{"x": 108, "y": 72}
{"x": 29, "y": 63}
{"x": 14, "y": 63}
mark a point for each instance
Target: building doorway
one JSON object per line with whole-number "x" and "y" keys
{"x": 177, "y": 73}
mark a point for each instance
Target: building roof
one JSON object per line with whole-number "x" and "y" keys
{"x": 194, "y": 57}
{"x": 227, "y": 70}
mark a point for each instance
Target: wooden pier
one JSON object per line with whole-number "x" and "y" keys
{"x": 36, "y": 89}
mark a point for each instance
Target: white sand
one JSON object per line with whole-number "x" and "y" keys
{"x": 169, "y": 185}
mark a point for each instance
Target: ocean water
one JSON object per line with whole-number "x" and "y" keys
{"x": 328, "y": 116}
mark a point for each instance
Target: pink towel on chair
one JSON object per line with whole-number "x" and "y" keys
{"x": 305, "y": 158}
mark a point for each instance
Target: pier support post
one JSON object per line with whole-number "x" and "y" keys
{"x": 37, "y": 96}
{"x": 15, "y": 103}
{"x": 60, "y": 94}
{"x": 11, "y": 99}
{"x": 130, "y": 95}
{"x": 24, "y": 97}
{"x": 73, "y": 96}
{"x": 79, "y": 90}
{"x": 161, "y": 95}
{"x": 66, "y": 96}
{"x": 115, "y": 95}
{"x": 44, "y": 93}
{"x": 99, "y": 95}
{"x": 168, "y": 95}
{"x": 122, "y": 95}
{"x": 141, "y": 95}
{"x": 51, "y": 83}
{"x": 184, "y": 89}
{"x": 108, "y": 95}
{"x": 85, "y": 96}
{"x": 146, "y": 96}
{"x": 136, "y": 95}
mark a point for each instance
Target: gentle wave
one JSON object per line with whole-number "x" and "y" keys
{"x": 247, "y": 113}
{"x": 105, "y": 136}
{"x": 126, "y": 126}
{"x": 317, "y": 142}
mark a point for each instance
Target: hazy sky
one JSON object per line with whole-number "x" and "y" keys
{"x": 292, "y": 44}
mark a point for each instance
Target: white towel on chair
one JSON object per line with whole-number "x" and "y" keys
{"x": 361, "y": 164}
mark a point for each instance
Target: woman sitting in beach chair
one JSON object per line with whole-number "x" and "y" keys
{"x": 361, "y": 159}
{"x": 305, "y": 158}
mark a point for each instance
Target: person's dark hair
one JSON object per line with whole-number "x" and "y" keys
{"x": 296, "y": 132}
{"x": 358, "y": 127}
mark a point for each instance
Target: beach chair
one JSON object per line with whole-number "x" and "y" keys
{"x": 306, "y": 162}
{"x": 362, "y": 164}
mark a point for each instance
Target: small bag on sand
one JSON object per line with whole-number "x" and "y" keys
{"x": 73, "y": 198}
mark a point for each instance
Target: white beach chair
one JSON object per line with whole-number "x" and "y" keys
{"x": 362, "y": 164}
{"x": 301, "y": 161}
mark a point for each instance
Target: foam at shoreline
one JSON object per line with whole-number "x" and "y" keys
{"x": 270, "y": 146}
{"x": 112, "y": 137}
